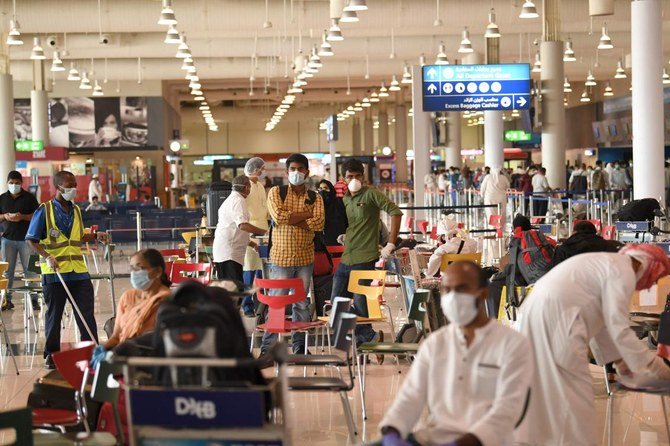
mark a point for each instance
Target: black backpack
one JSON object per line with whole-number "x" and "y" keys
{"x": 639, "y": 210}
{"x": 579, "y": 183}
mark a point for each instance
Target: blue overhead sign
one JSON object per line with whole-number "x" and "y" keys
{"x": 476, "y": 87}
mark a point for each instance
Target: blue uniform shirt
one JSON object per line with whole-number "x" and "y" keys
{"x": 38, "y": 231}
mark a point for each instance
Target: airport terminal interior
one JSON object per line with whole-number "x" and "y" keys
{"x": 335, "y": 222}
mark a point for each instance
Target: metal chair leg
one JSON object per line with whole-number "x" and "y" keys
{"x": 7, "y": 343}
{"x": 607, "y": 383}
{"x": 351, "y": 424}
{"x": 253, "y": 338}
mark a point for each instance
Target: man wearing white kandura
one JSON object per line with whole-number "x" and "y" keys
{"x": 582, "y": 303}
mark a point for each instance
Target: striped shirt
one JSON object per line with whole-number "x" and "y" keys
{"x": 292, "y": 245}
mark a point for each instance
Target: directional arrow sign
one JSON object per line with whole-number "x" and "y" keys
{"x": 432, "y": 72}
{"x": 521, "y": 102}
{"x": 432, "y": 88}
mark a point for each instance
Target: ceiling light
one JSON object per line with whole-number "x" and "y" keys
{"x": 349, "y": 17}
{"x": 441, "y": 56}
{"x": 326, "y": 49}
{"x": 358, "y": 107}
{"x": 565, "y": 101}
{"x": 183, "y": 51}
{"x": 492, "y": 30}
{"x": 605, "y": 41}
{"x": 567, "y": 88}
{"x": 196, "y": 93}
{"x": 97, "y": 90}
{"x": 395, "y": 85}
{"x": 299, "y": 83}
{"x": 590, "y": 80}
{"x": 73, "y": 75}
{"x": 569, "y": 54}
{"x": 314, "y": 59}
{"x": 383, "y": 91}
{"x": 188, "y": 66}
{"x": 537, "y": 65}
{"x": 167, "y": 16}
{"x": 340, "y": 118}
{"x": 192, "y": 77}
{"x": 528, "y": 11}
{"x": 14, "y": 36}
{"x": 610, "y": 92}
{"x": 172, "y": 36}
{"x": 356, "y": 5}
{"x": 85, "y": 82}
{"x": 406, "y": 75}
{"x": 366, "y": 103}
{"x": 37, "y": 53}
{"x": 334, "y": 33}
{"x": 284, "y": 106}
{"x": 466, "y": 44}
{"x": 193, "y": 85}
{"x": 585, "y": 97}
{"x": 57, "y": 63}
{"x": 666, "y": 77}
{"x": 410, "y": 113}
{"x": 295, "y": 90}
{"x": 620, "y": 72}
{"x": 199, "y": 98}
{"x": 374, "y": 97}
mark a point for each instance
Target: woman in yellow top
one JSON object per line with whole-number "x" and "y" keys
{"x": 137, "y": 307}
{"x": 257, "y": 204}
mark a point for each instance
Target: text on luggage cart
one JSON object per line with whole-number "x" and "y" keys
{"x": 190, "y": 406}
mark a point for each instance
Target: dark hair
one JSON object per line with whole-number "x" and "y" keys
{"x": 297, "y": 158}
{"x": 585, "y": 227}
{"x": 155, "y": 259}
{"x": 521, "y": 221}
{"x": 599, "y": 163}
{"x": 95, "y": 197}
{"x": 61, "y": 176}
{"x": 352, "y": 165}
{"x": 543, "y": 170}
{"x": 14, "y": 175}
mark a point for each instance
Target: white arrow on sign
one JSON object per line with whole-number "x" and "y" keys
{"x": 521, "y": 101}
{"x": 432, "y": 88}
{"x": 432, "y": 73}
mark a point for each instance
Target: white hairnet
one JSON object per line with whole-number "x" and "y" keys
{"x": 240, "y": 182}
{"x": 253, "y": 166}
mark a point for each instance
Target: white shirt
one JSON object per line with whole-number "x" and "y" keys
{"x": 449, "y": 247}
{"x": 442, "y": 182}
{"x": 95, "y": 190}
{"x": 540, "y": 183}
{"x": 494, "y": 188}
{"x": 230, "y": 242}
{"x": 480, "y": 389}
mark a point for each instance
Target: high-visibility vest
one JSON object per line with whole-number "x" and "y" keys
{"x": 67, "y": 251}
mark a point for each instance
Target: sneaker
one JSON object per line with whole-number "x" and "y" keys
{"x": 49, "y": 363}
{"x": 7, "y": 305}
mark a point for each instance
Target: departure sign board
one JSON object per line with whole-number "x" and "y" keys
{"x": 476, "y": 87}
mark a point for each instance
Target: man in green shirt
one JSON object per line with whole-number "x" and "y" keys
{"x": 361, "y": 242}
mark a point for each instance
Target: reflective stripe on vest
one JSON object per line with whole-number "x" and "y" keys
{"x": 67, "y": 251}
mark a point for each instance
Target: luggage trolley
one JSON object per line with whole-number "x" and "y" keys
{"x": 194, "y": 415}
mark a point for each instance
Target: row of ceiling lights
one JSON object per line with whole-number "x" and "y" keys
{"x": 174, "y": 37}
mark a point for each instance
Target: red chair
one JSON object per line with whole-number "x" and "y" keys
{"x": 276, "y": 321}
{"x": 536, "y": 220}
{"x": 609, "y": 232}
{"x": 335, "y": 252}
{"x": 410, "y": 226}
{"x": 433, "y": 233}
{"x": 180, "y": 253}
{"x": 422, "y": 225}
{"x": 595, "y": 223}
{"x": 181, "y": 272}
{"x": 71, "y": 365}
{"x": 495, "y": 220}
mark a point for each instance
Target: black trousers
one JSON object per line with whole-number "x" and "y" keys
{"x": 230, "y": 270}
{"x": 55, "y": 298}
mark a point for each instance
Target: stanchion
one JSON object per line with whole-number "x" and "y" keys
{"x": 139, "y": 230}
{"x": 569, "y": 217}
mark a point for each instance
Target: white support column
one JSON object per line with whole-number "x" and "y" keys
{"x": 553, "y": 113}
{"x": 401, "y": 143}
{"x": 332, "y": 149}
{"x": 39, "y": 109}
{"x": 647, "y": 56}
{"x": 421, "y": 123}
{"x": 356, "y": 137}
{"x": 383, "y": 130}
{"x": 368, "y": 133}
{"x": 453, "y": 151}
{"x": 7, "y": 154}
{"x": 493, "y": 139}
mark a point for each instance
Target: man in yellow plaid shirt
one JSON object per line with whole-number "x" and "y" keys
{"x": 296, "y": 215}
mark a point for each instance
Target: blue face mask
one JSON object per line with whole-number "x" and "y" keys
{"x": 140, "y": 280}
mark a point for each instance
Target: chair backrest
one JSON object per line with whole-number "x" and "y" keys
{"x": 422, "y": 225}
{"x": 468, "y": 257}
{"x": 495, "y": 220}
{"x": 609, "y": 232}
{"x": 178, "y": 269}
{"x": 179, "y": 252}
{"x": 594, "y": 222}
{"x": 71, "y": 364}
{"x": 345, "y": 325}
{"x": 335, "y": 252}
{"x": 105, "y": 388}
{"x": 276, "y": 303}
{"x": 417, "y": 306}
{"x": 21, "y": 421}
{"x": 34, "y": 264}
{"x": 341, "y": 305}
{"x": 410, "y": 224}
{"x": 187, "y": 236}
{"x": 433, "y": 233}
{"x": 371, "y": 292}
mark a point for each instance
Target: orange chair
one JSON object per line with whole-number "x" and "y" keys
{"x": 609, "y": 232}
{"x": 71, "y": 365}
{"x": 181, "y": 272}
{"x": 595, "y": 223}
{"x": 276, "y": 321}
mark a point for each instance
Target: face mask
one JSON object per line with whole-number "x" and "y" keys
{"x": 262, "y": 176}
{"x": 325, "y": 196}
{"x": 69, "y": 193}
{"x": 296, "y": 178}
{"x": 14, "y": 188}
{"x": 140, "y": 280}
{"x": 354, "y": 185}
{"x": 459, "y": 308}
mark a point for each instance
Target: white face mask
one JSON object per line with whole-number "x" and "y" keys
{"x": 354, "y": 185}
{"x": 14, "y": 188}
{"x": 69, "y": 193}
{"x": 459, "y": 308}
{"x": 296, "y": 178}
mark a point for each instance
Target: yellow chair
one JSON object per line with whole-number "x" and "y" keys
{"x": 371, "y": 292}
{"x": 187, "y": 236}
{"x": 470, "y": 257}
{"x": 522, "y": 292}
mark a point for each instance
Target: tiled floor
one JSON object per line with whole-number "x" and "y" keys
{"x": 317, "y": 419}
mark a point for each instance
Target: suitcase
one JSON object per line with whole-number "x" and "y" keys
{"x": 53, "y": 392}
{"x": 216, "y": 195}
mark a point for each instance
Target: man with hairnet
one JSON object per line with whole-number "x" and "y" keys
{"x": 231, "y": 237}
{"x": 585, "y": 302}
{"x": 257, "y": 204}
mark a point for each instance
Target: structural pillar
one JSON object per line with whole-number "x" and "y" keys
{"x": 356, "y": 137}
{"x": 368, "y": 133}
{"x": 493, "y": 122}
{"x": 383, "y": 128}
{"x": 647, "y": 57}
{"x": 553, "y": 110}
{"x": 421, "y": 126}
{"x": 401, "y": 143}
{"x": 453, "y": 151}
{"x": 7, "y": 153}
{"x": 39, "y": 105}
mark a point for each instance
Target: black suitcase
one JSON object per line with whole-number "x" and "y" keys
{"x": 323, "y": 288}
{"x": 53, "y": 392}
{"x": 216, "y": 195}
